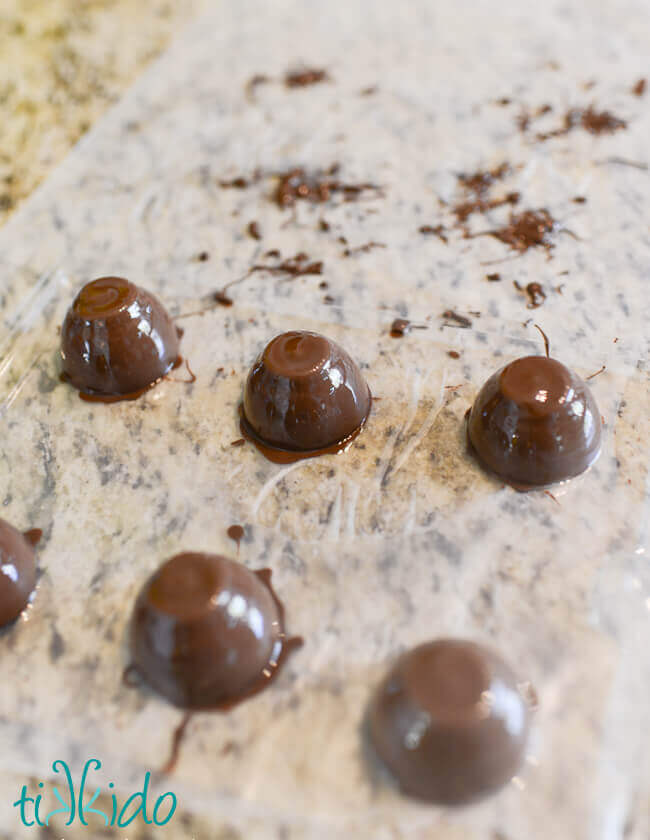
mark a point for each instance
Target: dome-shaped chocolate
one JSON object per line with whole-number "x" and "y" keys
{"x": 17, "y": 572}
{"x": 117, "y": 340}
{"x": 206, "y": 631}
{"x": 304, "y": 394}
{"x": 450, "y": 722}
{"x": 535, "y": 422}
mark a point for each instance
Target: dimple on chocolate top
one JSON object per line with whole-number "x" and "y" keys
{"x": 17, "y": 572}
{"x": 206, "y": 631}
{"x": 117, "y": 339}
{"x": 305, "y": 393}
{"x": 449, "y": 722}
{"x": 535, "y": 422}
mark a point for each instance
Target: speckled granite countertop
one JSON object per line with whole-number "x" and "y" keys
{"x": 402, "y": 538}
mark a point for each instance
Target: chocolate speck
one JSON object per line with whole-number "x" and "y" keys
{"x": 505, "y": 100}
{"x": 203, "y": 256}
{"x": 579, "y": 199}
{"x": 222, "y": 298}
{"x": 253, "y": 230}
{"x": 274, "y": 253}
{"x": 453, "y": 319}
{"x": 238, "y": 183}
{"x": 453, "y": 354}
{"x": 305, "y": 76}
{"x": 368, "y": 91}
{"x": 238, "y": 442}
{"x": 640, "y": 87}
{"x": 323, "y": 225}
{"x": 535, "y": 292}
{"x": 363, "y": 249}
{"x": 329, "y": 299}
{"x": 323, "y": 284}
{"x": 437, "y": 230}
{"x": 400, "y": 327}
{"x": 296, "y": 266}
{"x": 316, "y": 187}
{"x": 495, "y": 277}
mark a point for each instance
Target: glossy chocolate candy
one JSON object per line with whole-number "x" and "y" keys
{"x": 207, "y": 632}
{"x": 117, "y": 340}
{"x": 450, "y": 722}
{"x": 17, "y": 571}
{"x": 304, "y": 396}
{"x": 535, "y": 422}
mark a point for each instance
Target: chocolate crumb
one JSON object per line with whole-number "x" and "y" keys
{"x": 305, "y": 76}
{"x": 400, "y": 327}
{"x": 363, "y": 249}
{"x": 529, "y": 229}
{"x": 323, "y": 225}
{"x": 595, "y": 122}
{"x": 328, "y": 299}
{"x": 253, "y": 230}
{"x": 453, "y": 354}
{"x": 273, "y": 253}
{"x": 222, "y": 298}
{"x": 579, "y": 199}
{"x": 296, "y": 266}
{"x": 438, "y": 231}
{"x": 535, "y": 292}
{"x": 323, "y": 284}
{"x": 505, "y": 100}
{"x": 238, "y": 183}
{"x": 493, "y": 278}
{"x": 203, "y": 256}
{"x": 317, "y": 187}
{"x": 639, "y": 87}
{"x": 458, "y": 320}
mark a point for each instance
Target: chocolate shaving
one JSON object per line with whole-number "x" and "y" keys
{"x": 547, "y": 345}
{"x": 597, "y": 373}
{"x": 595, "y": 122}
{"x": 457, "y": 320}
{"x": 305, "y": 76}
{"x": 298, "y": 184}
{"x": 238, "y": 183}
{"x": 363, "y": 249}
{"x": 530, "y": 229}
{"x": 296, "y": 266}
{"x": 639, "y": 87}
{"x": 438, "y": 231}
{"x": 535, "y": 292}
{"x": 222, "y": 298}
{"x": 253, "y": 230}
